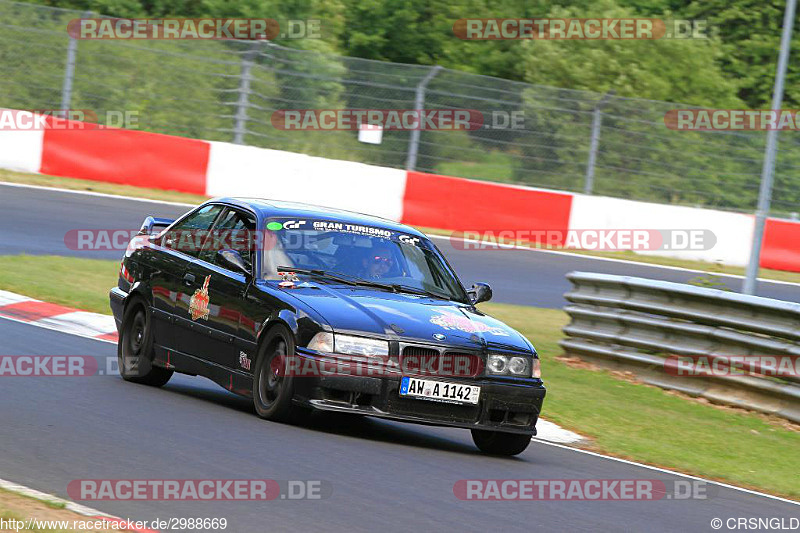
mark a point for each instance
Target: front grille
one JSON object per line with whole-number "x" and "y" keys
{"x": 419, "y": 350}
{"x": 416, "y": 349}
{"x": 439, "y": 360}
{"x": 451, "y": 353}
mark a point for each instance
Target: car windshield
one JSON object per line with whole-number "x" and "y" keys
{"x": 400, "y": 261}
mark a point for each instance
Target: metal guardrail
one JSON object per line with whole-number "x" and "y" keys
{"x": 643, "y": 326}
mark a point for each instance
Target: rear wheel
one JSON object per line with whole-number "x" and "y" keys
{"x": 135, "y": 348}
{"x": 273, "y": 390}
{"x": 499, "y": 443}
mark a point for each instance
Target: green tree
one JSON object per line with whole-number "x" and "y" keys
{"x": 750, "y": 31}
{"x": 662, "y": 69}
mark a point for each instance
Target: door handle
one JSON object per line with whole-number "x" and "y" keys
{"x": 188, "y": 278}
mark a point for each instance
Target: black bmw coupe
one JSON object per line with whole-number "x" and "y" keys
{"x": 304, "y": 307}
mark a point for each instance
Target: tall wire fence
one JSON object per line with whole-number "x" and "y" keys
{"x": 228, "y": 90}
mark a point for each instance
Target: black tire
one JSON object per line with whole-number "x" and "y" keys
{"x": 135, "y": 347}
{"x": 499, "y": 443}
{"x": 273, "y": 391}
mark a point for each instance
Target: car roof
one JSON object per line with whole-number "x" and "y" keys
{"x": 266, "y": 208}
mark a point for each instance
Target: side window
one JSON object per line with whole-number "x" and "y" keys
{"x": 235, "y": 231}
{"x": 189, "y": 234}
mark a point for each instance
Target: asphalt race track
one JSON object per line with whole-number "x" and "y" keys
{"x": 382, "y": 476}
{"x": 516, "y": 276}
{"x": 379, "y": 475}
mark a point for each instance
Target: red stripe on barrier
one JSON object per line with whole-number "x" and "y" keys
{"x": 127, "y": 157}
{"x": 781, "y": 247}
{"x": 30, "y": 311}
{"x": 465, "y": 205}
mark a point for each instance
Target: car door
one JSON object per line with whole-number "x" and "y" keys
{"x": 218, "y": 339}
{"x": 168, "y": 260}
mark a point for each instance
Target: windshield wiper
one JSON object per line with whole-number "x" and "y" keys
{"x": 416, "y": 290}
{"x": 393, "y": 287}
{"x": 347, "y": 280}
{"x": 317, "y": 273}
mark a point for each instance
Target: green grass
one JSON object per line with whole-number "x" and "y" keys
{"x": 52, "y": 504}
{"x": 7, "y": 515}
{"x": 621, "y": 418}
{"x": 647, "y": 424}
{"x": 75, "y": 282}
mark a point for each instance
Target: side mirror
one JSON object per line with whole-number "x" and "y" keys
{"x": 480, "y": 292}
{"x": 231, "y": 260}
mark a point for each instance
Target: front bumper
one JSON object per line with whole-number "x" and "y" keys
{"x": 117, "y": 298}
{"x": 511, "y": 406}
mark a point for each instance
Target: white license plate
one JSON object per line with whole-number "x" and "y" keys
{"x": 427, "y": 389}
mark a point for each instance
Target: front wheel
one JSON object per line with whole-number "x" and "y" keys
{"x": 499, "y": 443}
{"x": 135, "y": 348}
{"x": 273, "y": 389}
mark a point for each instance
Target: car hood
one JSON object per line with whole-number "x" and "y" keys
{"x": 407, "y": 317}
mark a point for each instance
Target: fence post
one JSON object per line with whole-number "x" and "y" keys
{"x": 419, "y": 103}
{"x": 768, "y": 169}
{"x": 69, "y": 71}
{"x": 597, "y": 121}
{"x": 240, "y": 124}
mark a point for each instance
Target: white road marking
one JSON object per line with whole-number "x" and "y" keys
{"x": 56, "y": 328}
{"x": 80, "y": 322}
{"x": 672, "y": 472}
{"x": 92, "y": 193}
{"x": 49, "y": 498}
{"x": 10, "y": 298}
{"x": 550, "y": 432}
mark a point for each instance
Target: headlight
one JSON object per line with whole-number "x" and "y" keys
{"x": 328, "y": 343}
{"x": 508, "y": 365}
{"x": 497, "y": 364}
{"x": 322, "y": 342}
{"x": 348, "y": 344}
{"x": 517, "y": 366}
